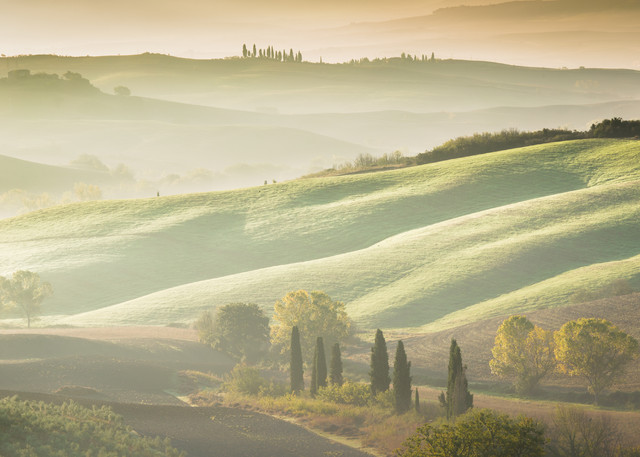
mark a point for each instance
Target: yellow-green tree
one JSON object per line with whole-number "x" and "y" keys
{"x": 596, "y": 350}
{"x": 25, "y": 291}
{"x": 522, "y": 352}
{"x": 315, "y": 314}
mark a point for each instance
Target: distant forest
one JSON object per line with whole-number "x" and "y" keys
{"x": 482, "y": 143}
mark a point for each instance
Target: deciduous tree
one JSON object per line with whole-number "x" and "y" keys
{"x": 596, "y": 350}
{"x": 26, "y": 291}
{"x": 522, "y": 352}
{"x": 238, "y": 329}
{"x": 314, "y": 313}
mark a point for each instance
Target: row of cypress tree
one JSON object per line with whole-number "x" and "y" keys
{"x": 270, "y": 53}
{"x": 379, "y": 373}
{"x": 456, "y": 400}
{"x": 318, "y": 368}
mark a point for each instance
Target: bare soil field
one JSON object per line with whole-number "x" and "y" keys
{"x": 121, "y": 364}
{"x": 134, "y": 370}
{"x": 217, "y": 431}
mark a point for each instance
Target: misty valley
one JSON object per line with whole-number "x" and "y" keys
{"x": 407, "y": 231}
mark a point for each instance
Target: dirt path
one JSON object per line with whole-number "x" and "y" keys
{"x": 218, "y": 431}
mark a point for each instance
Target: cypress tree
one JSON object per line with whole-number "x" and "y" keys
{"x": 297, "y": 380}
{"x": 379, "y": 365}
{"x": 335, "y": 370}
{"x": 253, "y": 53}
{"x": 417, "y": 401}
{"x": 244, "y": 51}
{"x": 402, "y": 380}
{"x": 458, "y": 399}
{"x": 319, "y": 368}
{"x": 313, "y": 388}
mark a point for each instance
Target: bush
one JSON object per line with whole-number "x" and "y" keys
{"x": 386, "y": 399}
{"x": 245, "y": 380}
{"x": 349, "y": 393}
{"x": 273, "y": 389}
{"x": 29, "y": 428}
{"x": 478, "y": 433}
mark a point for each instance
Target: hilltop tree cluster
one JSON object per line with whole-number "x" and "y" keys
{"x": 70, "y": 82}
{"x": 482, "y": 143}
{"x": 269, "y": 53}
{"x": 404, "y": 57}
{"x": 594, "y": 349}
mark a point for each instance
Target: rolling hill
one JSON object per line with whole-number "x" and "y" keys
{"x": 422, "y": 248}
{"x": 37, "y": 177}
{"x": 390, "y": 84}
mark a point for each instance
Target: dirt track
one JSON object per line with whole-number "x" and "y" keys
{"x": 218, "y": 431}
{"x": 131, "y": 371}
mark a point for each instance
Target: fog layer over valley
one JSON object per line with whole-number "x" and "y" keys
{"x": 202, "y": 125}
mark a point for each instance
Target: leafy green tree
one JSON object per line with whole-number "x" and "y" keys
{"x": 314, "y": 313}
{"x": 335, "y": 367}
{"x": 523, "y": 352}
{"x": 239, "y": 329}
{"x": 478, "y": 433}
{"x": 402, "y": 380}
{"x": 417, "y": 401}
{"x": 596, "y": 350}
{"x": 26, "y": 291}
{"x": 457, "y": 399}
{"x": 296, "y": 366}
{"x": 379, "y": 373}
{"x": 245, "y": 51}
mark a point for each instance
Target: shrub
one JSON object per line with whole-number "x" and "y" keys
{"x": 349, "y": 393}
{"x": 274, "y": 389}
{"x": 386, "y": 399}
{"x": 29, "y": 428}
{"x": 245, "y": 380}
{"x": 478, "y": 433}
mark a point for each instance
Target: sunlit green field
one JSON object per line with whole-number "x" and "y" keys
{"x": 428, "y": 247}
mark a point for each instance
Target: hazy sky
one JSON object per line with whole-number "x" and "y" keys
{"x": 190, "y": 26}
{"x": 549, "y": 33}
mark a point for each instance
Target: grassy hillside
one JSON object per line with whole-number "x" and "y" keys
{"x": 36, "y": 177}
{"x": 405, "y": 248}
